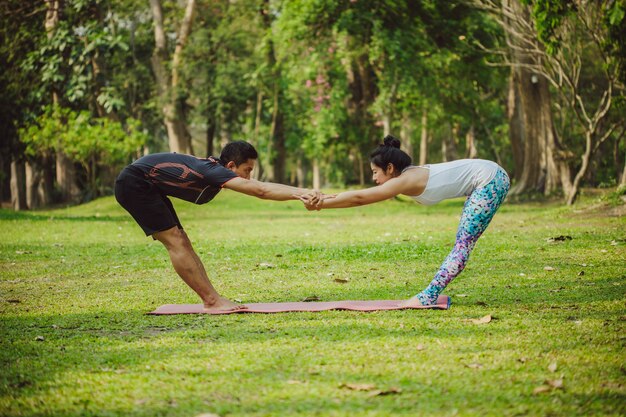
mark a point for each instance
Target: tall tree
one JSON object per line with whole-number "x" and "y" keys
{"x": 276, "y": 145}
{"x": 567, "y": 45}
{"x": 167, "y": 75}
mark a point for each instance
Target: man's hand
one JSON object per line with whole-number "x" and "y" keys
{"x": 314, "y": 199}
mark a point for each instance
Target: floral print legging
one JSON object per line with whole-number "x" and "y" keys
{"x": 479, "y": 209}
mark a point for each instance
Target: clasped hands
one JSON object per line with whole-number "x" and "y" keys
{"x": 314, "y": 199}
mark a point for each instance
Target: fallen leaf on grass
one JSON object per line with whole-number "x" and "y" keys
{"x": 342, "y": 280}
{"x": 371, "y": 387}
{"x": 390, "y": 391}
{"x": 548, "y": 268}
{"x": 473, "y": 365}
{"x": 548, "y": 386}
{"x": 542, "y": 389}
{"x": 310, "y": 298}
{"x": 560, "y": 238}
{"x": 555, "y": 383}
{"x": 482, "y": 320}
{"x": 552, "y": 367}
{"x": 358, "y": 387}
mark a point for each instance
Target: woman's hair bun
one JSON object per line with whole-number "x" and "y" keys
{"x": 392, "y": 141}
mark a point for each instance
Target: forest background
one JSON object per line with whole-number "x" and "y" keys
{"x": 88, "y": 86}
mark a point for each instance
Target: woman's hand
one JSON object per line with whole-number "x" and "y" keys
{"x": 313, "y": 201}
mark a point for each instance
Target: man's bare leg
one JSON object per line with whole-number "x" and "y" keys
{"x": 190, "y": 268}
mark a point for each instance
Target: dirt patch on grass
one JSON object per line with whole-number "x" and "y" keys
{"x": 601, "y": 210}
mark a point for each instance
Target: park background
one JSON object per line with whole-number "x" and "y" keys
{"x": 537, "y": 321}
{"x": 88, "y": 86}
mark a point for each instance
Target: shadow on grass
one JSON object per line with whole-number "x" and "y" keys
{"x": 129, "y": 345}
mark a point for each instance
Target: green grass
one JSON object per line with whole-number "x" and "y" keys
{"x": 82, "y": 279}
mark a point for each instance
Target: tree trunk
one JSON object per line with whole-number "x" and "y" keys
{"x": 18, "y": 186}
{"x": 359, "y": 159}
{"x": 448, "y": 143}
{"x": 406, "y": 135}
{"x": 33, "y": 179}
{"x": 516, "y": 125}
{"x": 167, "y": 81}
{"x": 276, "y": 144}
{"x": 622, "y": 181}
{"x": 46, "y": 186}
{"x": 540, "y": 163}
{"x": 257, "y": 173}
{"x": 301, "y": 173}
{"x": 65, "y": 173}
{"x": 424, "y": 137}
{"x": 66, "y": 178}
{"x": 39, "y": 182}
{"x": 585, "y": 160}
{"x": 388, "y": 115}
{"x": 316, "y": 175}
{"x": 2, "y": 179}
{"x": 280, "y": 153}
{"x": 470, "y": 144}
{"x": 210, "y": 134}
{"x": 532, "y": 176}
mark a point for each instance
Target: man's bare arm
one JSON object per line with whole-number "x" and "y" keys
{"x": 266, "y": 190}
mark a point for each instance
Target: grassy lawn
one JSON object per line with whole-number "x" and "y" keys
{"x": 75, "y": 284}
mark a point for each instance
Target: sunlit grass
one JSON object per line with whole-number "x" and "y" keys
{"x": 75, "y": 284}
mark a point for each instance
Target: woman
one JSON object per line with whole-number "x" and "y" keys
{"x": 484, "y": 183}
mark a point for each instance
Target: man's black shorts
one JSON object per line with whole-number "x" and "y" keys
{"x": 150, "y": 209}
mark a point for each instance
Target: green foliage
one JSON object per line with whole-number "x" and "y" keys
{"x": 91, "y": 142}
{"x": 83, "y": 138}
{"x": 616, "y": 42}
{"x": 341, "y": 70}
{"x": 19, "y": 34}
{"x": 66, "y": 61}
{"x": 549, "y": 15}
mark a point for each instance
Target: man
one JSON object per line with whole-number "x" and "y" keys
{"x": 143, "y": 188}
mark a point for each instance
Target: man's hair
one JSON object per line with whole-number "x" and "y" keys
{"x": 238, "y": 151}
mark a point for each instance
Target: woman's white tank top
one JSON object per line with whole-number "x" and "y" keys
{"x": 455, "y": 179}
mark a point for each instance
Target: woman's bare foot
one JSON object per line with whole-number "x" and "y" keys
{"x": 223, "y": 304}
{"x": 411, "y": 302}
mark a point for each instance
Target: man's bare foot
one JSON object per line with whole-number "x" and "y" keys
{"x": 223, "y": 304}
{"x": 411, "y": 302}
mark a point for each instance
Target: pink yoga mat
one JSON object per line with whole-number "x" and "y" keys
{"x": 443, "y": 303}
